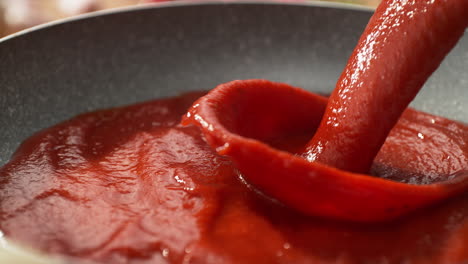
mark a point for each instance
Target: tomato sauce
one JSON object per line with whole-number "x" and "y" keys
{"x": 131, "y": 185}
{"x": 134, "y": 185}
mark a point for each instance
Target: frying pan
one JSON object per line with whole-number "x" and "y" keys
{"x": 106, "y": 59}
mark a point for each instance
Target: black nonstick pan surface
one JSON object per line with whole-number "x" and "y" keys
{"x": 108, "y": 59}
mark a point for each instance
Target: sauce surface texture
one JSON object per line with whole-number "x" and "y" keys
{"x": 131, "y": 185}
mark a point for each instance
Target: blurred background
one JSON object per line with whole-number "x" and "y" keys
{"x": 16, "y": 15}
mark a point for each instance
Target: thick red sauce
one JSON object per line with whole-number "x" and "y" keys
{"x": 132, "y": 185}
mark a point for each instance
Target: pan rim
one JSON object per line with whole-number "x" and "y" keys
{"x": 171, "y": 4}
